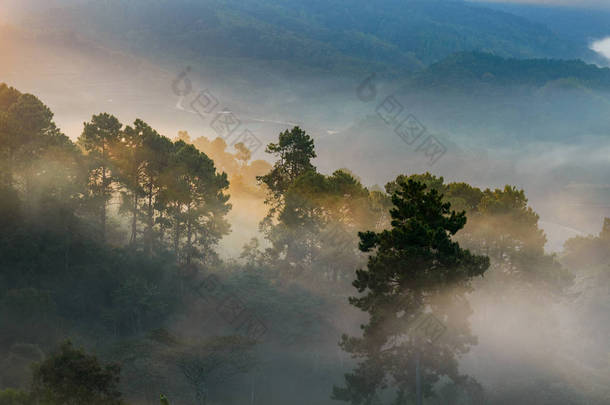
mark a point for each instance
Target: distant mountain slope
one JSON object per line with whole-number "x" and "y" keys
{"x": 481, "y": 102}
{"x": 467, "y": 69}
{"x": 331, "y": 35}
{"x": 483, "y": 96}
{"x": 579, "y": 25}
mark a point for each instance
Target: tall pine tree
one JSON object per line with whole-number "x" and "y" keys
{"x": 414, "y": 269}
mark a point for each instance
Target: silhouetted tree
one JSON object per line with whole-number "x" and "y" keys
{"x": 414, "y": 268}
{"x": 70, "y": 376}
{"x": 99, "y": 138}
{"x": 195, "y": 202}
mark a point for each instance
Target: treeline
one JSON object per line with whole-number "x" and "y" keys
{"x": 170, "y": 192}
{"x": 395, "y": 36}
{"x": 110, "y": 240}
{"x": 98, "y": 240}
{"x": 467, "y": 68}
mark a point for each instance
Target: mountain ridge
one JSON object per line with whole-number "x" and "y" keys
{"x": 338, "y": 35}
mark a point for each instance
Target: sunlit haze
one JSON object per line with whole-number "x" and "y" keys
{"x": 222, "y": 202}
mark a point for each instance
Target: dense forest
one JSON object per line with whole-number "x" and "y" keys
{"x": 338, "y": 35}
{"x": 113, "y": 291}
{"x": 464, "y": 68}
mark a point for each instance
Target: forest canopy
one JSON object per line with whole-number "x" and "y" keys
{"x": 112, "y": 288}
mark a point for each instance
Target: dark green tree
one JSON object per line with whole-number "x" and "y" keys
{"x": 15, "y": 397}
{"x": 99, "y": 140}
{"x": 414, "y": 268}
{"x": 195, "y": 201}
{"x": 70, "y": 376}
{"x": 130, "y": 163}
{"x": 140, "y": 159}
{"x": 313, "y": 219}
{"x": 310, "y": 213}
{"x": 289, "y": 211}
{"x": 213, "y": 361}
{"x": 502, "y": 226}
{"x": 23, "y": 126}
{"x": 36, "y": 159}
{"x": 156, "y": 151}
{"x": 294, "y": 151}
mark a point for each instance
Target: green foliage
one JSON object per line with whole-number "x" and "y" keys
{"x": 73, "y": 276}
{"x": 72, "y": 377}
{"x": 590, "y": 250}
{"x": 502, "y": 226}
{"x": 59, "y": 278}
{"x": 35, "y": 156}
{"x": 14, "y": 397}
{"x": 98, "y": 140}
{"x": 207, "y": 363}
{"x": 195, "y": 202}
{"x": 313, "y": 219}
{"x": 292, "y": 314}
{"x": 163, "y": 185}
{"x": 294, "y": 151}
{"x": 466, "y": 69}
{"x": 414, "y": 267}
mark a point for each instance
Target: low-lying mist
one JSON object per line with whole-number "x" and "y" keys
{"x": 156, "y": 288}
{"x": 80, "y": 79}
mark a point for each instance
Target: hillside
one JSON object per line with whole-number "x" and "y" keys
{"x": 337, "y": 35}
{"x": 578, "y": 24}
{"x": 468, "y": 69}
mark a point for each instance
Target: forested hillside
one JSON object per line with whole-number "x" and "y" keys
{"x": 339, "y": 36}
{"x": 472, "y": 68}
{"x": 108, "y": 246}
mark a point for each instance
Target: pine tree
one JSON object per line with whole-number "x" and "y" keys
{"x": 415, "y": 270}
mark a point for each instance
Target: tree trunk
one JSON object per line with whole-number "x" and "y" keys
{"x": 149, "y": 221}
{"x": 177, "y": 237}
{"x": 189, "y": 235}
{"x": 103, "y": 208}
{"x": 134, "y": 219}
